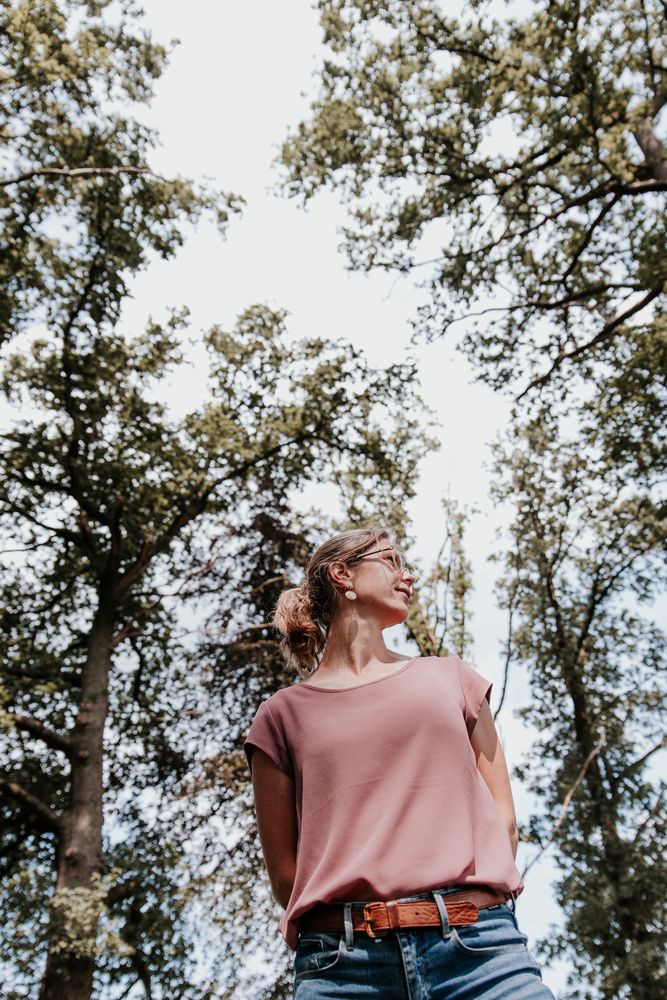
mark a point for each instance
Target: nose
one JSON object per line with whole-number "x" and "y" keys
{"x": 408, "y": 574}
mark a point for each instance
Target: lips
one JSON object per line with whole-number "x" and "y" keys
{"x": 404, "y": 590}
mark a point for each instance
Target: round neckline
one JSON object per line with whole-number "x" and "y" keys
{"x": 353, "y": 687}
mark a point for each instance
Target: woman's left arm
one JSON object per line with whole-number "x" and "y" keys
{"x": 492, "y": 766}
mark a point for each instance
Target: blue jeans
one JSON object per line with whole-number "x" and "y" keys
{"x": 487, "y": 960}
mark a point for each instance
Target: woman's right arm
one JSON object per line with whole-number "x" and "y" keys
{"x": 275, "y": 808}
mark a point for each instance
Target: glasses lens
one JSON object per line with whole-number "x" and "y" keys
{"x": 404, "y": 566}
{"x": 393, "y": 556}
{"x": 397, "y": 560}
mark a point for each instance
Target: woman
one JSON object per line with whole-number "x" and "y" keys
{"x": 383, "y": 801}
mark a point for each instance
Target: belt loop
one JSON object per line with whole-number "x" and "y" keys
{"x": 349, "y": 931}
{"x": 442, "y": 910}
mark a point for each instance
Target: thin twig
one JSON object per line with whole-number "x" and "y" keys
{"x": 568, "y": 798}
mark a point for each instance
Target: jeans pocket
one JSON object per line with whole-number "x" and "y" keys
{"x": 493, "y": 933}
{"x": 317, "y": 953}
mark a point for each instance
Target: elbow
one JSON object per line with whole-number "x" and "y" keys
{"x": 281, "y": 893}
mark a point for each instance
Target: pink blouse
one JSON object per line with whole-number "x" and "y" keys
{"x": 389, "y": 799}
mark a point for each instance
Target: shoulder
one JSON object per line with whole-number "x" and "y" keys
{"x": 442, "y": 668}
{"x": 456, "y": 671}
{"x": 453, "y": 662}
{"x": 281, "y": 699}
{"x": 449, "y": 663}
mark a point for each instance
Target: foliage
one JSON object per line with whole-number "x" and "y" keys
{"x": 104, "y": 489}
{"x": 586, "y": 551}
{"x": 126, "y": 526}
{"x": 518, "y": 160}
{"x": 80, "y": 208}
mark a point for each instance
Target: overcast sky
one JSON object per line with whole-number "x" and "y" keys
{"x": 240, "y": 78}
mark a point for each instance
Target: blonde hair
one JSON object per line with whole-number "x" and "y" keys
{"x": 303, "y": 614}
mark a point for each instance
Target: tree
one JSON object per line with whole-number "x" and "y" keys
{"x": 439, "y": 617}
{"x": 109, "y": 503}
{"x": 120, "y": 519}
{"x": 519, "y": 162}
{"x": 80, "y": 208}
{"x": 586, "y": 551}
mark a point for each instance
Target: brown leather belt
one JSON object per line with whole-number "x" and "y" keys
{"x": 381, "y": 917}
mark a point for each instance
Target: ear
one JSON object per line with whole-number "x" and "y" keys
{"x": 339, "y": 573}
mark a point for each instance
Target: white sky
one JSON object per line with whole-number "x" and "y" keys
{"x": 233, "y": 87}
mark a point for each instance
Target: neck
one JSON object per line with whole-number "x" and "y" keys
{"x": 353, "y": 644}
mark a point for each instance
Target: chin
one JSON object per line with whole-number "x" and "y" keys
{"x": 396, "y": 618}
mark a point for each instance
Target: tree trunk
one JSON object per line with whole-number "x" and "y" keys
{"x": 77, "y": 901}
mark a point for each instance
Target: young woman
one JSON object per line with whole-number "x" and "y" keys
{"x": 383, "y": 801}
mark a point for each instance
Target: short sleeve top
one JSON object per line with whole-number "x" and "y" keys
{"x": 389, "y": 799}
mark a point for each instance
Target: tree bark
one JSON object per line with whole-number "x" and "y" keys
{"x": 76, "y": 903}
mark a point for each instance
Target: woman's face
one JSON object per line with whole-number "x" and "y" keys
{"x": 382, "y": 583}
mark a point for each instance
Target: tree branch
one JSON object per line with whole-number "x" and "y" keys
{"x": 652, "y": 148}
{"x": 568, "y": 798}
{"x": 511, "y": 607}
{"x": 193, "y": 506}
{"x": 76, "y": 172}
{"x": 641, "y": 760}
{"x": 648, "y": 141}
{"x": 64, "y": 533}
{"x": 72, "y": 452}
{"x": 50, "y": 819}
{"x": 576, "y": 256}
{"x": 653, "y": 812}
{"x": 122, "y": 891}
{"x": 604, "y": 334}
{"x": 43, "y": 733}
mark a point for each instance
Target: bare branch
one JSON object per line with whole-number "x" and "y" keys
{"x": 73, "y": 447}
{"x": 125, "y": 994}
{"x": 50, "y": 819}
{"x": 653, "y": 812}
{"x": 60, "y": 532}
{"x": 511, "y": 607}
{"x": 130, "y": 629}
{"x": 27, "y": 548}
{"x": 568, "y": 798}
{"x": 576, "y": 256}
{"x": 604, "y": 334}
{"x": 115, "y": 524}
{"x": 267, "y": 583}
{"x": 141, "y": 967}
{"x": 573, "y": 299}
{"x": 644, "y": 757}
{"x": 74, "y": 172}
{"x": 43, "y": 733}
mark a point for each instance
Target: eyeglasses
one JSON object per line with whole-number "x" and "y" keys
{"x": 397, "y": 559}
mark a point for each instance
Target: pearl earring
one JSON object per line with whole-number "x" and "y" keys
{"x": 350, "y": 594}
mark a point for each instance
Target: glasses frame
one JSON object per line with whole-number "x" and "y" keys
{"x": 404, "y": 567}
